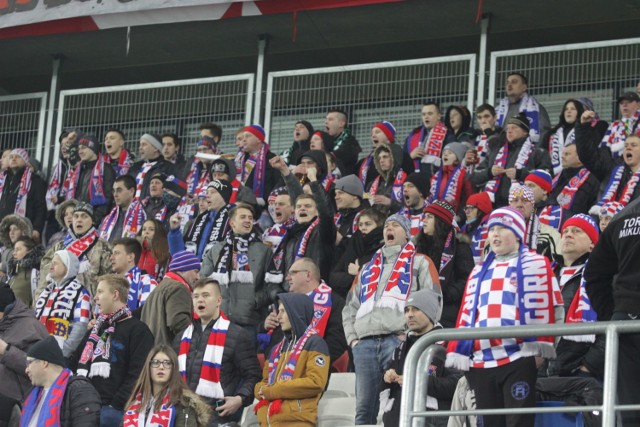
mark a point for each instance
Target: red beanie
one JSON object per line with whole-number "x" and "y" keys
{"x": 482, "y": 201}
{"x": 442, "y": 210}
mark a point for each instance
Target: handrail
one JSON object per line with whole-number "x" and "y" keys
{"x": 412, "y": 408}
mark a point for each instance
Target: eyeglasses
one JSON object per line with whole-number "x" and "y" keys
{"x": 31, "y": 360}
{"x": 155, "y": 363}
{"x": 292, "y": 272}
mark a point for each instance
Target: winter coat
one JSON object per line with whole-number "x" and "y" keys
{"x": 36, "y": 209}
{"x": 81, "y": 404}
{"x": 168, "y": 309}
{"x": 360, "y": 248}
{"x": 348, "y": 153}
{"x": 372, "y": 173}
{"x": 301, "y": 394}
{"x": 585, "y": 197}
{"x": 24, "y": 224}
{"x": 84, "y": 183}
{"x": 98, "y": 263}
{"x": 20, "y": 328}
{"x": 538, "y": 159}
{"x": 242, "y": 301}
{"x": 599, "y": 161}
{"x": 466, "y": 133}
{"x": 24, "y": 275}
{"x": 239, "y": 369}
{"x": 441, "y": 385}
{"x": 161, "y": 166}
{"x": 59, "y": 216}
{"x": 385, "y": 184}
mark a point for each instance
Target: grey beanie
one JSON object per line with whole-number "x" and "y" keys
{"x": 428, "y": 301}
{"x": 457, "y": 148}
{"x": 403, "y": 221}
{"x": 154, "y": 140}
{"x": 350, "y": 184}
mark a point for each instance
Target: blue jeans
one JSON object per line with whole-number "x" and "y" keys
{"x": 371, "y": 357}
{"x": 110, "y": 416}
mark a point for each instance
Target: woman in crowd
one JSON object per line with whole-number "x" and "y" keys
{"x": 24, "y": 269}
{"x": 563, "y": 133}
{"x": 474, "y": 231}
{"x": 161, "y": 398}
{"x": 155, "y": 249}
{"x": 12, "y": 227}
{"x": 64, "y": 216}
{"x": 458, "y": 121}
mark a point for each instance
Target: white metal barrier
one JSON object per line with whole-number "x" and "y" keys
{"x": 600, "y": 71}
{"x": 22, "y": 122}
{"x": 392, "y": 91}
{"x": 414, "y": 388}
{"x": 174, "y": 106}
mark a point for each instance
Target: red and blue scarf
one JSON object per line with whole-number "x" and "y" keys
{"x": 567, "y": 195}
{"x": 493, "y": 185}
{"x": 133, "y": 220}
{"x": 617, "y": 134}
{"x": 580, "y": 310}
{"x": 612, "y": 193}
{"x": 96, "y": 187}
{"x": 124, "y": 162}
{"x": 432, "y": 142}
{"x": 322, "y": 302}
{"x": 452, "y": 191}
{"x": 136, "y": 415}
{"x": 364, "y": 169}
{"x": 256, "y": 163}
{"x": 51, "y": 409}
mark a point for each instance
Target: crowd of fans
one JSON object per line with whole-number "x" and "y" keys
{"x": 146, "y": 292}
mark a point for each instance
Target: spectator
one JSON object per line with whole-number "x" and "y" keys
{"x": 550, "y": 213}
{"x": 83, "y": 241}
{"x": 127, "y": 216}
{"x": 115, "y": 154}
{"x": 474, "y": 232}
{"x": 425, "y": 143}
{"x": 252, "y": 164}
{"x": 453, "y": 259}
{"x": 23, "y": 192}
{"x": 58, "y": 397}
{"x": 19, "y": 330}
{"x": 151, "y": 163}
{"x": 155, "y": 256}
{"x": 316, "y": 160}
{"x": 321, "y": 141}
{"x": 90, "y": 182}
{"x": 415, "y": 191}
{"x": 486, "y": 121}
{"x": 618, "y": 131}
{"x": 56, "y": 192}
{"x": 171, "y": 146}
{"x": 621, "y": 176}
{"x": 224, "y": 169}
{"x": 64, "y": 217}
{"x": 211, "y": 339}
{"x": 169, "y": 308}
{"x": 304, "y": 278}
{"x": 348, "y": 197}
{"x": 160, "y": 396}
{"x": 214, "y": 133}
{"x": 451, "y": 183}
{"x": 281, "y": 211}
{"x": 302, "y": 132}
{"x": 457, "y": 119}
{"x": 503, "y": 371}
{"x": 563, "y": 134}
{"x": 607, "y": 212}
{"x": 510, "y": 158}
{"x": 518, "y": 101}
{"x": 574, "y": 188}
{"x": 154, "y": 206}
{"x": 23, "y": 269}
{"x": 305, "y": 374}
{"x": 381, "y": 133}
{"x": 125, "y": 256}
{"x": 346, "y": 147}
{"x": 421, "y": 314}
{"x": 238, "y": 263}
{"x": 372, "y": 317}
{"x": 359, "y": 251}
{"x": 64, "y": 306}
{"x": 12, "y": 227}
{"x": 385, "y": 190}
{"x": 113, "y": 351}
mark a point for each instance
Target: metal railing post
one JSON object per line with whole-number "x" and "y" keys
{"x": 610, "y": 377}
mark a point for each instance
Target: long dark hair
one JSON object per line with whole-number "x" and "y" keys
{"x": 159, "y": 244}
{"x": 432, "y": 246}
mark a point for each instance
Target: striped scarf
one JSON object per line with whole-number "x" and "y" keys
{"x": 276, "y": 272}
{"x": 209, "y": 375}
{"x": 557, "y": 142}
{"x": 396, "y": 188}
{"x": 57, "y": 186}
{"x": 364, "y": 169}
{"x": 133, "y": 220}
{"x": 432, "y": 140}
{"x": 137, "y": 416}
{"x": 493, "y": 185}
{"x": 256, "y": 163}
{"x": 123, "y": 164}
{"x": 617, "y": 134}
{"x": 529, "y": 106}
{"x": 140, "y": 286}
{"x": 322, "y": 302}
{"x": 234, "y": 259}
{"x": 96, "y": 187}
{"x": 568, "y": 193}
{"x": 80, "y": 246}
{"x": 581, "y": 310}
{"x": 51, "y": 409}
{"x": 25, "y": 186}
{"x": 452, "y": 191}
{"x": 612, "y": 193}
{"x": 144, "y": 170}
{"x": 59, "y": 306}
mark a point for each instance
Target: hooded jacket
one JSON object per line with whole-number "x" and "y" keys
{"x": 59, "y": 216}
{"x": 466, "y": 133}
{"x": 24, "y": 224}
{"x": 299, "y": 395}
{"x": 24, "y": 274}
{"x": 20, "y": 328}
{"x": 385, "y": 183}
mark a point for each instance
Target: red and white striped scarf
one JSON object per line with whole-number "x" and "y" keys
{"x": 493, "y": 185}
{"x": 567, "y": 195}
{"x": 133, "y": 219}
{"x": 136, "y": 416}
{"x": 611, "y": 193}
{"x": 322, "y": 302}
{"x": 146, "y": 167}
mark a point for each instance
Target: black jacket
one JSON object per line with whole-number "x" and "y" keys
{"x": 84, "y": 183}
{"x": 271, "y": 178}
{"x": 161, "y": 166}
{"x": 36, "y": 209}
{"x": 442, "y": 382}
{"x": 359, "y": 247}
{"x": 81, "y": 404}
{"x": 240, "y": 370}
{"x": 348, "y": 153}
{"x": 617, "y": 252}
{"x": 599, "y": 160}
{"x": 585, "y": 197}
{"x": 539, "y": 159}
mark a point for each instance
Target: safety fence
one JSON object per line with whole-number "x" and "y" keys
{"x": 369, "y": 93}
{"x": 175, "y": 106}
{"x": 600, "y": 71}
{"x": 22, "y": 122}
{"x": 419, "y": 358}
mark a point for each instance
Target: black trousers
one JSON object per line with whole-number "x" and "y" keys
{"x": 6, "y": 408}
{"x": 628, "y": 372}
{"x": 509, "y": 386}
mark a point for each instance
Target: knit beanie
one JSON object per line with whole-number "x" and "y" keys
{"x": 220, "y": 165}
{"x": 428, "y": 301}
{"x": 388, "y": 129}
{"x": 184, "y": 261}
{"x": 7, "y": 296}
{"x": 521, "y": 121}
{"x": 586, "y": 224}
{"x": 22, "y": 153}
{"x": 90, "y": 142}
{"x": 457, "y": 148}
{"x": 47, "y": 350}
{"x": 306, "y": 124}
{"x": 175, "y": 184}
{"x": 541, "y": 178}
{"x": 153, "y": 139}
{"x": 482, "y": 201}
{"x": 257, "y": 131}
{"x": 611, "y": 209}
{"x": 403, "y": 221}
{"x": 84, "y": 207}
{"x": 223, "y": 187}
{"x": 521, "y": 191}
{"x": 509, "y": 218}
{"x": 350, "y": 184}
{"x": 442, "y": 210}
{"x": 421, "y": 182}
